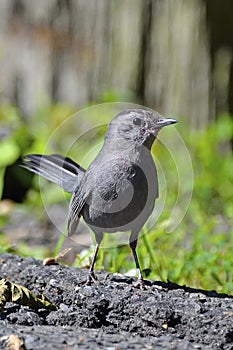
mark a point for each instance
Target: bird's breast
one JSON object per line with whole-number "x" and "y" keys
{"x": 123, "y": 194}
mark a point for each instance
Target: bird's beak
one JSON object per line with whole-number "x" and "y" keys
{"x": 165, "y": 121}
{"x": 159, "y": 124}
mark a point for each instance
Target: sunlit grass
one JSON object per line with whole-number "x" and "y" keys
{"x": 198, "y": 252}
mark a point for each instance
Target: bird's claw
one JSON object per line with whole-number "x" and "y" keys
{"x": 91, "y": 278}
{"x": 140, "y": 284}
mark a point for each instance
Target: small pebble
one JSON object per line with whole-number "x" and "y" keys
{"x": 88, "y": 291}
{"x": 64, "y": 307}
{"x": 54, "y": 282}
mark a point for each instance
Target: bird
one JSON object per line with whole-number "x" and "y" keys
{"x": 118, "y": 190}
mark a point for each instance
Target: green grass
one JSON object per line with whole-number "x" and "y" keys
{"x": 198, "y": 252}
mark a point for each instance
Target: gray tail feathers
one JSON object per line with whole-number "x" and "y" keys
{"x": 61, "y": 170}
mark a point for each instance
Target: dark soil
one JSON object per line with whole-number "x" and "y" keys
{"x": 112, "y": 314}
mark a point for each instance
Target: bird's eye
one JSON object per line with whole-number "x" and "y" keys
{"x": 137, "y": 121}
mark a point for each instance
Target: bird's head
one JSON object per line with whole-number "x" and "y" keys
{"x": 136, "y": 127}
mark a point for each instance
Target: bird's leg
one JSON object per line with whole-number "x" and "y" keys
{"x": 133, "y": 244}
{"x": 91, "y": 276}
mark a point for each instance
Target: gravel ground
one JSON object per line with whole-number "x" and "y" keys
{"x": 111, "y": 314}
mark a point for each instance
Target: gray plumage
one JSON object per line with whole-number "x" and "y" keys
{"x": 61, "y": 170}
{"x": 118, "y": 190}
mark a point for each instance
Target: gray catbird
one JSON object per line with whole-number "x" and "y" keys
{"x": 117, "y": 192}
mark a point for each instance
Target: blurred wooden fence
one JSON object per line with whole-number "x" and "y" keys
{"x": 154, "y": 51}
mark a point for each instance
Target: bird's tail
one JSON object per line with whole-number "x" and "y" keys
{"x": 61, "y": 170}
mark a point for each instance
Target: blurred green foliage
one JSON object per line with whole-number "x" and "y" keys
{"x": 198, "y": 252}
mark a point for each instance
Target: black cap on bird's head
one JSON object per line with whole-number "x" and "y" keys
{"x": 138, "y": 126}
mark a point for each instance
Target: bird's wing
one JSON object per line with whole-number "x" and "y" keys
{"x": 77, "y": 202}
{"x": 61, "y": 170}
{"x": 111, "y": 187}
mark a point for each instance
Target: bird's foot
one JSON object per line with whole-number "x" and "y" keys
{"x": 91, "y": 278}
{"x": 140, "y": 284}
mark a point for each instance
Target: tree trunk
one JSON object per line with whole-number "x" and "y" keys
{"x": 150, "y": 51}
